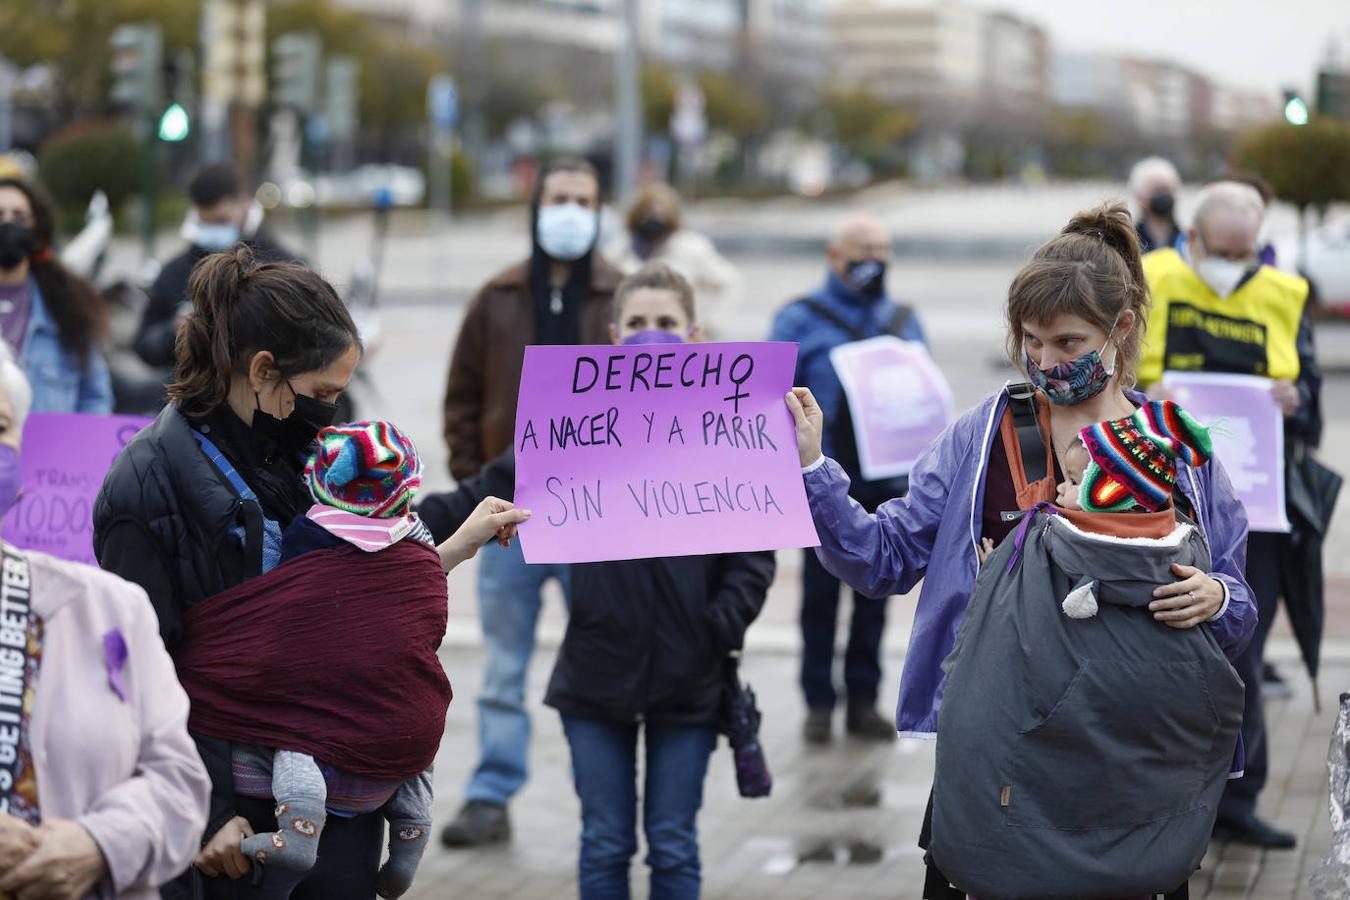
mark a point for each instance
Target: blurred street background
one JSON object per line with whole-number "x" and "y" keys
{"x": 393, "y": 144}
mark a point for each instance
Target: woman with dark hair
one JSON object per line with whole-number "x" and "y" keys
{"x": 53, "y": 318}
{"x": 1075, "y": 317}
{"x": 197, "y": 502}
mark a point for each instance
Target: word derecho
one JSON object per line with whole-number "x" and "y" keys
{"x": 651, "y": 371}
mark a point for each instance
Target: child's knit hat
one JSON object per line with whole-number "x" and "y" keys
{"x": 368, "y": 468}
{"x": 1134, "y": 459}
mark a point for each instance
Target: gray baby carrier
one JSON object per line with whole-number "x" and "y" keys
{"x": 1082, "y": 746}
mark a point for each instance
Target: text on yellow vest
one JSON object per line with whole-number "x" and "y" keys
{"x": 1253, "y": 331}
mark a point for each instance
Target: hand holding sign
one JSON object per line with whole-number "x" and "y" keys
{"x": 809, "y": 420}
{"x": 658, "y": 450}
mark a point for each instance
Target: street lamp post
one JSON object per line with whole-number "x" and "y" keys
{"x": 627, "y": 108}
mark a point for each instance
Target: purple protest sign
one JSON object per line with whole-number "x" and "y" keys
{"x": 658, "y": 450}
{"x": 1249, "y": 439}
{"x": 897, "y": 398}
{"x": 65, "y": 458}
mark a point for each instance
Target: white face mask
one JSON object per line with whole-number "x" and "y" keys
{"x": 566, "y": 231}
{"x": 1222, "y": 275}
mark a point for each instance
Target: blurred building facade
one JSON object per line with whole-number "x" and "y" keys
{"x": 942, "y": 57}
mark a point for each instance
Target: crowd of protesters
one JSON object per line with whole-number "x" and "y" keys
{"x": 246, "y": 533}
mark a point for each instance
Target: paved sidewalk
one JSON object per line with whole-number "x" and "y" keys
{"x": 842, "y": 821}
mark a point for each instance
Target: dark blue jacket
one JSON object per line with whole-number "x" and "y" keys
{"x": 816, "y": 335}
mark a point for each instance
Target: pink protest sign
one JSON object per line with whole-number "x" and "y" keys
{"x": 658, "y": 450}
{"x": 897, "y": 398}
{"x": 65, "y": 458}
{"x": 1249, "y": 439}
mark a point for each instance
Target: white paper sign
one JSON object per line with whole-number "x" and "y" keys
{"x": 898, "y": 399}
{"x": 1248, "y": 439}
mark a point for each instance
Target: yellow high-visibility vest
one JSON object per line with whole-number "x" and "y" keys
{"x": 1253, "y": 331}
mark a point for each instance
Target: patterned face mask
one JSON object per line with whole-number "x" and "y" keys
{"x": 1073, "y": 382}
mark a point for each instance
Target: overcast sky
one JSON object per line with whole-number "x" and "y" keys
{"x": 1248, "y": 43}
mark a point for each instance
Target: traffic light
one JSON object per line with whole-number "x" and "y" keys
{"x": 1333, "y": 94}
{"x": 341, "y": 77}
{"x": 1295, "y": 109}
{"x": 295, "y": 70}
{"x": 137, "y": 67}
{"x": 174, "y": 124}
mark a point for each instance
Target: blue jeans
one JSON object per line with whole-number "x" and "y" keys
{"x": 508, "y": 610}
{"x": 604, "y": 768}
{"x": 819, "y": 620}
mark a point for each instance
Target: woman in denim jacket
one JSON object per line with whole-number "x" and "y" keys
{"x": 52, "y": 317}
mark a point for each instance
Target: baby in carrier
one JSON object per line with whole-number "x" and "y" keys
{"x": 1077, "y": 735}
{"x": 363, "y": 478}
{"x": 1130, "y": 464}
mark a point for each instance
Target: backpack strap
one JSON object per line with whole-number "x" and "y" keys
{"x": 1022, "y": 404}
{"x": 895, "y": 326}
{"x": 900, "y": 318}
{"x": 825, "y": 312}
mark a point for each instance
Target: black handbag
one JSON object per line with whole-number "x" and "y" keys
{"x": 739, "y": 720}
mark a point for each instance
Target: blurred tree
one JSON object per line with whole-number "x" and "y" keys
{"x": 72, "y": 37}
{"x": 868, "y": 127}
{"x": 659, "y": 87}
{"x": 732, "y": 108}
{"x": 86, "y": 157}
{"x": 1078, "y": 142}
{"x": 514, "y": 92}
{"x": 1306, "y": 165}
{"x": 394, "y": 69}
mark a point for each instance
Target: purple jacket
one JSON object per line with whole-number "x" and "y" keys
{"x": 938, "y": 524}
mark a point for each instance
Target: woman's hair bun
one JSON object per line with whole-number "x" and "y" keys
{"x": 1111, "y": 224}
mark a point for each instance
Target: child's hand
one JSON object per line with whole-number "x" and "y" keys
{"x": 1067, "y": 497}
{"x": 494, "y": 519}
{"x": 985, "y": 549}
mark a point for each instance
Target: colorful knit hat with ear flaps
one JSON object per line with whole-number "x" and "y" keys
{"x": 368, "y": 468}
{"x": 1134, "y": 459}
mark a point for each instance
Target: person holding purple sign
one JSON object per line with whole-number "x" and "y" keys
{"x": 1221, "y": 309}
{"x": 645, "y": 650}
{"x": 1075, "y": 314}
{"x": 852, "y": 305}
{"x": 103, "y": 792}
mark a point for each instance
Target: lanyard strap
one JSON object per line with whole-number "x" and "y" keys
{"x": 271, "y": 552}
{"x": 16, "y": 675}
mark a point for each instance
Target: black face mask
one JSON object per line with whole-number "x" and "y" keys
{"x": 17, "y": 243}
{"x": 1162, "y": 204}
{"x": 867, "y": 277}
{"x": 652, "y": 229}
{"x": 298, "y": 430}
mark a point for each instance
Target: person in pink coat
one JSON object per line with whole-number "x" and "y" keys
{"x": 102, "y": 792}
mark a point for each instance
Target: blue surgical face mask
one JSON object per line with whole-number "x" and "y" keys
{"x": 655, "y": 336}
{"x": 216, "y": 237}
{"x": 566, "y": 231}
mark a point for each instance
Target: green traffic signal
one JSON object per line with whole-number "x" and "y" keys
{"x": 1295, "y": 110}
{"x": 173, "y": 125}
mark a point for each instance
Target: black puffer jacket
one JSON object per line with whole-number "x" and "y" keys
{"x": 163, "y": 520}
{"x": 646, "y": 637}
{"x": 164, "y": 516}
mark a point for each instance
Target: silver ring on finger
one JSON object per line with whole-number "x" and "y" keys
{"x": 1191, "y": 594}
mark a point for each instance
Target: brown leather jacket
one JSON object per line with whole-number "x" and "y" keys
{"x": 484, "y": 383}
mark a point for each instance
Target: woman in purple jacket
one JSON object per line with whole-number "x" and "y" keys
{"x": 1076, "y": 314}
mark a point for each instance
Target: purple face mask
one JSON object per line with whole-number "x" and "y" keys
{"x": 11, "y": 478}
{"x": 654, "y": 336}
